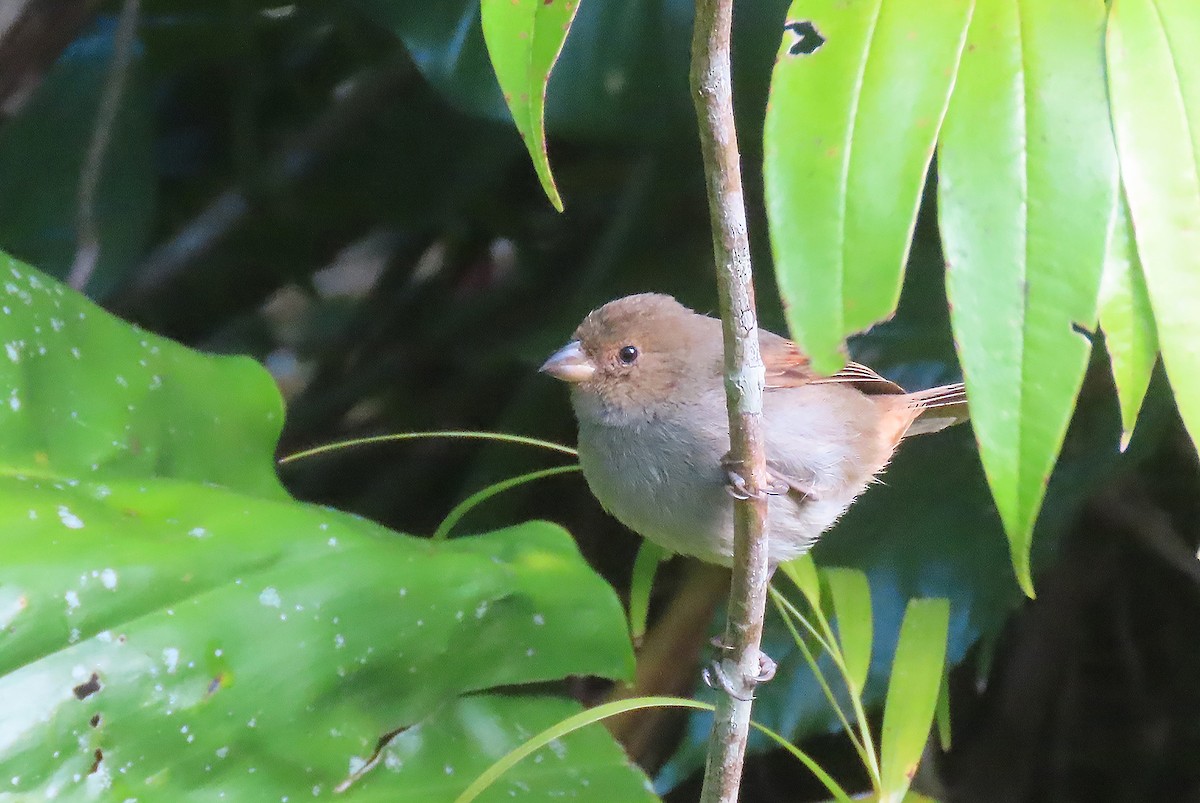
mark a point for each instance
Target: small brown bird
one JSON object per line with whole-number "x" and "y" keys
{"x": 646, "y": 376}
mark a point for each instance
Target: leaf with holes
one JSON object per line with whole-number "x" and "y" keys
{"x": 524, "y": 38}
{"x": 171, "y": 620}
{"x": 1026, "y": 187}
{"x": 857, "y": 96}
{"x": 1154, "y": 79}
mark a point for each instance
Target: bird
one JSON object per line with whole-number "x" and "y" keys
{"x": 646, "y": 377}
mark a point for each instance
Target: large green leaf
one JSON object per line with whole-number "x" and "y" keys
{"x": 849, "y": 134}
{"x": 1127, "y": 320}
{"x": 524, "y": 38}
{"x": 1154, "y": 78}
{"x": 172, "y": 623}
{"x": 1027, "y": 183}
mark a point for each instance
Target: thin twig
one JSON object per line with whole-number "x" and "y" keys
{"x": 87, "y": 232}
{"x": 744, "y": 379}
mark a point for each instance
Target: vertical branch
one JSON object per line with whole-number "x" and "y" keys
{"x": 744, "y": 379}
{"x": 87, "y": 241}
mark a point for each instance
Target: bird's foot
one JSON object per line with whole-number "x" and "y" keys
{"x": 718, "y": 674}
{"x": 737, "y": 487}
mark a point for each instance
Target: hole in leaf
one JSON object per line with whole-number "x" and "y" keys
{"x": 87, "y": 688}
{"x": 808, "y": 38}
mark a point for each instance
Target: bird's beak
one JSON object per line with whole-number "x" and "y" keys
{"x": 570, "y": 364}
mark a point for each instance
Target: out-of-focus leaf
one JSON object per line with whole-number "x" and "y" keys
{"x": 1026, "y": 187}
{"x": 857, "y": 96}
{"x": 1154, "y": 79}
{"x": 851, "y": 597}
{"x": 942, "y": 715}
{"x": 42, "y": 151}
{"x": 524, "y": 39}
{"x": 913, "y": 692}
{"x": 803, "y": 573}
{"x": 1127, "y": 320}
{"x": 171, "y": 620}
{"x": 645, "y": 567}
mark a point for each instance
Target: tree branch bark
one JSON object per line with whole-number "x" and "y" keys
{"x": 744, "y": 380}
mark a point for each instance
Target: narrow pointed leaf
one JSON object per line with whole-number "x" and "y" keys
{"x": 803, "y": 573}
{"x": 1154, "y": 78}
{"x": 1026, "y": 187}
{"x": 645, "y": 567}
{"x": 851, "y": 598}
{"x": 1127, "y": 320}
{"x": 913, "y": 692}
{"x": 857, "y": 95}
{"x": 524, "y": 38}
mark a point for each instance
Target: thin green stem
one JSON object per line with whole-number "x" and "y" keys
{"x": 784, "y": 608}
{"x": 464, "y": 507}
{"x": 502, "y": 437}
{"x": 870, "y": 757}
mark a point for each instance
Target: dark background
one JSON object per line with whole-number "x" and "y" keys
{"x": 334, "y": 188}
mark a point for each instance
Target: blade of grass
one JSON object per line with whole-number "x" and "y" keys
{"x": 502, "y": 437}
{"x": 785, "y": 608}
{"x": 601, "y": 712}
{"x": 465, "y": 506}
{"x": 868, "y": 754}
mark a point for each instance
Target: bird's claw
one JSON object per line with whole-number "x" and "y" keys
{"x": 737, "y": 487}
{"x": 716, "y": 676}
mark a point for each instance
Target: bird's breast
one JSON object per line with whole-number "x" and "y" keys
{"x": 662, "y": 481}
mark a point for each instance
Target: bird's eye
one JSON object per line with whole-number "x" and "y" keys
{"x": 628, "y": 355}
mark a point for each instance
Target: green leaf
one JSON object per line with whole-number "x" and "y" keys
{"x": 566, "y": 726}
{"x": 436, "y": 761}
{"x": 1154, "y": 80}
{"x": 851, "y": 598}
{"x": 942, "y": 715}
{"x": 913, "y": 692}
{"x": 803, "y": 573}
{"x": 645, "y": 567}
{"x": 849, "y": 134}
{"x": 170, "y": 619}
{"x": 1127, "y": 320}
{"x": 1026, "y": 187}
{"x": 524, "y": 38}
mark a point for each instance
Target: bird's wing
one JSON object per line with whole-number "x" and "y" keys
{"x": 788, "y": 367}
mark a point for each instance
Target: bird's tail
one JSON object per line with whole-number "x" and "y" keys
{"x": 939, "y": 408}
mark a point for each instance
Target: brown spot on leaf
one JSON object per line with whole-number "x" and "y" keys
{"x": 94, "y": 721}
{"x": 87, "y": 688}
{"x": 99, "y": 754}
